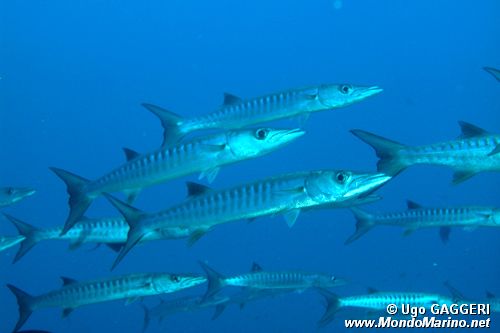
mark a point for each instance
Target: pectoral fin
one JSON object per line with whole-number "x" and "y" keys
{"x": 291, "y": 216}
{"x": 210, "y": 174}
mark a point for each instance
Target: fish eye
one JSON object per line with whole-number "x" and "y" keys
{"x": 341, "y": 177}
{"x": 345, "y": 89}
{"x": 261, "y": 133}
{"x": 332, "y": 278}
{"x": 175, "y": 278}
{"x": 10, "y": 190}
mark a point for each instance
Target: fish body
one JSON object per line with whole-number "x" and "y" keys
{"x": 474, "y": 151}
{"x": 205, "y": 155}
{"x": 237, "y": 112}
{"x": 194, "y": 303}
{"x": 7, "y": 242}
{"x": 74, "y": 294}
{"x": 11, "y": 195}
{"x": 379, "y": 301}
{"x": 286, "y": 194}
{"x": 266, "y": 280}
{"x": 419, "y": 217}
{"x": 111, "y": 231}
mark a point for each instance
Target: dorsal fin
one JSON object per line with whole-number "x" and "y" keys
{"x": 412, "y": 204}
{"x": 469, "y": 130}
{"x": 230, "y": 99}
{"x": 130, "y": 154}
{"x": 196, "y": 189}
{"x": 67, "y": 281}
{"x": 372, "y": 290}
{"x": 256, "y": 267}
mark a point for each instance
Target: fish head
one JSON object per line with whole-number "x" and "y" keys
{"x": 167, "y": 283}
{"x": 14, "y": 194}
{"x": 495, "y": 216}
{"x": 338, "y": 186}
{"x": 339, "y": 95}
{"x": 8, "y": 242}
{"x": 327, "y": 281}
{"x": 260, "y": 141}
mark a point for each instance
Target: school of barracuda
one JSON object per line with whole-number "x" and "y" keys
{"x": 476, "y": 150}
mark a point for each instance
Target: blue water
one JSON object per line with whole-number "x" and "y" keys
{"x": 73, "y": 74}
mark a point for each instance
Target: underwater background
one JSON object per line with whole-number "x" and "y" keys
{"x": 73, "y": 75}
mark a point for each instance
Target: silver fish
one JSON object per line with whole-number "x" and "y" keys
{"x": 237, "y": 112}
{"x": 206, "y": 155}
{"x": 260, "y": 279}
{"x": 418, "y": 217}
{"x": 111, "y": 231}
{"x": 195, "y": 303}
{"x": 474, "y": 151}
{"x": 11, "y": 195}
{"x": 6, "y": 242}
{"x": 286, "y": 194}
{"x": 379, "y": 301}
{"x": 74, "y": 294}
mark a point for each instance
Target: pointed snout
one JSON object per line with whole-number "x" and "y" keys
{"x": 370, "y": 91}
{"x": 286, "y": 135}
{"x": 365, "y": 184}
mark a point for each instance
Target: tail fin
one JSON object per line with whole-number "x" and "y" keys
{"x": 332, "y": 306}
{"x": 78, "y": 201}
{"x": 215, "y": 281}
{"x": 170, "y": 122}
{"x": 386, "y": 150}
{"x": 30, "y": 234}
{"x": 133, "y": 217}
{"x": 24, "y": 302}
{"x": 363, "y": 224}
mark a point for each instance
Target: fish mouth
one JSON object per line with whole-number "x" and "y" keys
{"x": 21, "y": 193}
{"x": 370, "y": 91}
{"x": 363, "y": 185}
{"x": 7, "y": 243}
{"x": 286, "y": 135}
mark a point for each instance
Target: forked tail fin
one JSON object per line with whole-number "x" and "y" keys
{"x": 386, "y": 150}
{"x": 215, "y": 281}
{"x": 363, "y": 224}
{"x": 30, "y": 233}
{"x": 78, "y": 201}
{"x": 24, "y": 302}
{"x": 170, "y": 122}
{"x": 133, "y": 217}
{"x": 332, "y": 306}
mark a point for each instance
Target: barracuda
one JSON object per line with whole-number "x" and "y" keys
{"x": 418, "y": 217}
{"x": 475, "y": 151}
{"x": 378, "y": 301}
{"x": 286, "y": 194}
{"x": 74, "y": 294}
{"x": 11, "y": 195}
{"x": 6, "y": 242}
{"x": 260, "y": 279}
{"x": 205, "y": 155}
{"x": 194, "y": 303}
{"x": 111, "y": 231}
{"x": 237, "y": 112}
{"x": 494, "y": 72}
